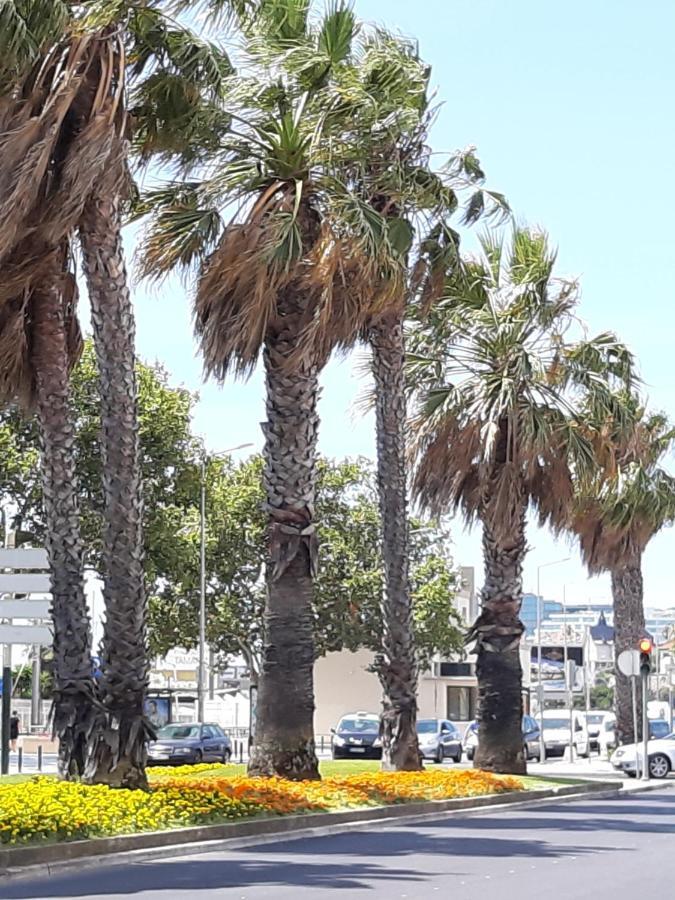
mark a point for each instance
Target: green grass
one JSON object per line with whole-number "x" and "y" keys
{"x": 327, "y": 767}
{"x": 14, "y": 779}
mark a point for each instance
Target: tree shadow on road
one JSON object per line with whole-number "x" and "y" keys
{"x": 196, "y": 874}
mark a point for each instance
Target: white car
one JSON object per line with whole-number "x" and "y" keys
{"x": 599, "y": 724}
{"x": 661, "y": 756}
{"x": 556, "y": 726}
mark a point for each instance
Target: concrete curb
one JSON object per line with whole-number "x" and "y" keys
{"x": 55, "y": 859}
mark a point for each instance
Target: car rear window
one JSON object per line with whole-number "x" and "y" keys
{"x": 364, "y": 726}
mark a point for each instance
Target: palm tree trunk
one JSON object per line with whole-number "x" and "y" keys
{"x": 119, "y": 756}
{"x": 396, "y": 664}
{"x": 629, "y": 627}
{"x": 284, "y": 735}
{"x": 498, "y": 631}
{"x": 73, "y": 705}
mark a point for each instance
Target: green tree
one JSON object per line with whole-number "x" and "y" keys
{"x": 22, "y": 683}
{"x": 169, "y": 460}
{"x": 348, "y": 586}
{"x": 496, "y": 431}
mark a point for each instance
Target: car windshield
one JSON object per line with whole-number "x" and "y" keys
{"x": 659, "y": 729}
{"x": 361, "y": 726}
{"x": 427, "y": 726}
{"x": 556, "y": 723}
{"x": 178, "y": 732}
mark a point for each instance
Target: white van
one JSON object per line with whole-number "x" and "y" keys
{"x": 556, "y": 726}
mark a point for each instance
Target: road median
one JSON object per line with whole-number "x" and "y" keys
{"x": 54, "y": 858}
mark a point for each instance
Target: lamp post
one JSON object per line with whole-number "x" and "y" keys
{"x": 540, "y": 686}
{"x": 201, "y": 673}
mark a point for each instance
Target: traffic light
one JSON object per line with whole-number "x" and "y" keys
{"x": 646, "y": 647}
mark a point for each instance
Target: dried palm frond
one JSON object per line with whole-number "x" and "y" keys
{"x": 63, "y": 128}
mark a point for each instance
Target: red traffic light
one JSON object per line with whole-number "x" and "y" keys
{"x": 646, "y": 645}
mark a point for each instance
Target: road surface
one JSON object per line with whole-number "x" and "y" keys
{"x": 591, "y": 850}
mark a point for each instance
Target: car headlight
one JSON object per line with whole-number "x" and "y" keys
{"x": 184, "y": 751}
{"x": 377, "y": 742}
{"x": 618, "y": 753}
{"x": 338, "y": 741}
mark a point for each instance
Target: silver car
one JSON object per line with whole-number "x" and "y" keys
{"x": 439, "y": 739}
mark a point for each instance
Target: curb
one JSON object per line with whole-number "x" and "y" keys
{"x": 53, "y": 859}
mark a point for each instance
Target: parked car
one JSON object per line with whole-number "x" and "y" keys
{"x": 595, "y": 725}
{"x": 192, "y": 742}
{"x": 660, "y": 754}
{"x": 357, "y": 734}
{"x": 438, "y": 739}
{"x": 556, "y": 725}
{"x": 530, "y": 738}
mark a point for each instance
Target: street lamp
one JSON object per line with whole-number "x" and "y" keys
{"x": 540, "y": 685}
{"x": 201, "y": 674}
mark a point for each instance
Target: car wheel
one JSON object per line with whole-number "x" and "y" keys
{"x": 526, "y": 753}
{"x": 469, "y": 755}
{"x": 440, "y": 754}
{"x": 659, "y": 765}
{"x": 458, "y": 757}
{"x": 199, "y": 756}
{"x": 227, "y": 755}
{"x": 632, "y": 774}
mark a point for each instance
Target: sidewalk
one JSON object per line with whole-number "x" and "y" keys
{"x": 591, "y": 768}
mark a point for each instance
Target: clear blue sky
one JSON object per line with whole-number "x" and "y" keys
{"x": 571, "y": 108}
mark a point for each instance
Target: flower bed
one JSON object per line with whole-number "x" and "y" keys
{"x": 46, "y": 810}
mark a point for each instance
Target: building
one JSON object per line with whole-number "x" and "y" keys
{"x": 528, "y": 611}
{"x": 173, "y": 682}
{"x": 343, "y": 681}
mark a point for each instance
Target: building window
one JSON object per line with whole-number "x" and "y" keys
{"x": 461, "y": 703}
{"x": 455, "y": 670}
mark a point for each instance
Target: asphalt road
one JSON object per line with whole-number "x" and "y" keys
{"x": 595, "y": 850}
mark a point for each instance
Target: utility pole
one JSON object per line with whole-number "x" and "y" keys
{"x": 201, "y": 674}
{"x": 35, "y": 695}
{"x": 5, "y": 717}
{"x": 201, "y": 677}
{"x": 540, "y": 684}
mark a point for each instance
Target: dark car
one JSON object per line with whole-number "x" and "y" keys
{"x": 530, "y": 728}
{"x": 191, "y": 742}
{"x": 357, "y": 735}
{"x": 438, "y": 739}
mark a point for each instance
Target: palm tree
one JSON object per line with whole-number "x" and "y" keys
{"x": 496, "y": 432}
{"x": 64, "y": 167}
{"x": 618, "y": 510}
{"x": 177, "y": 63}
{"x": 384, "y": 89}
{"x": 42, "y": 79}
{"x": 297, "y": 271}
